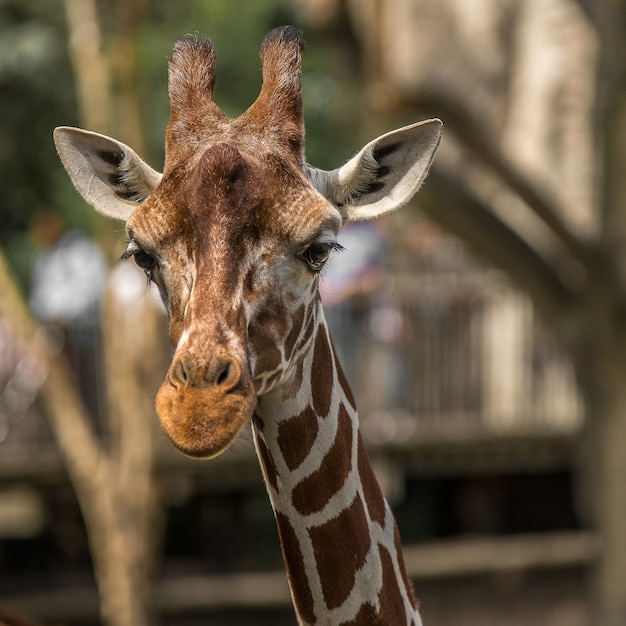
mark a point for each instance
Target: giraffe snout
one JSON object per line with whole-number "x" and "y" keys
{"x": 220, "y": 372}
{"x": 204, "y": 402}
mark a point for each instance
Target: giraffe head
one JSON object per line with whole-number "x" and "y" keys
{"x": 237, "y": 229}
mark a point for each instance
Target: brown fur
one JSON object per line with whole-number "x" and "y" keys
{"x": 302, "y": 428}
{"x": 225, "y": 185}
{"x": 295, "y": 568}
{"x": 314, "y": 492}
{"x": 346, "y": 535}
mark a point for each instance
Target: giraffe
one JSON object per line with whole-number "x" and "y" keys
{"x": 235, "y": 234}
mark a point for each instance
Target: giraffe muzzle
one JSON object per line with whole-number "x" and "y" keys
{"x": 203, "y": 404}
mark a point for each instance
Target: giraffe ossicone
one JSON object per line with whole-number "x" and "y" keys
{"x": 235, "y": 233}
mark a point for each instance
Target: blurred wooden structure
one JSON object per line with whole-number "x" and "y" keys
{"x": 436, "y": 358}
{"x": 455, "y": 378}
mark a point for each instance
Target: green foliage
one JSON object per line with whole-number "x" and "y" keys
{"x": 36, "y": 87}
{"x": 38, "y": 94}
{"x": 237, "y": 32}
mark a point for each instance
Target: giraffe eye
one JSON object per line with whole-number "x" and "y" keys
{"x": 317, "y": 254}
{"x": 144, "y": 260}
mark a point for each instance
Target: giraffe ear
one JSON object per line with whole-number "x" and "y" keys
{"x": 384, "y": 175}
{"x": 108, "y": 174}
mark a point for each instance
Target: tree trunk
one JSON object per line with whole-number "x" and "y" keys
{"x": 120, "y": 574}
{"x": 604, "y": 476}
{"x": 115, "y": 489}
{"x": 607, "y": 388}
{"x": 135, "y": 362}
{"x": 609, "y": 425}
{"x": 90, "y": 70}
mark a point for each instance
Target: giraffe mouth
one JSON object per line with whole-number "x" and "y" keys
{"x": 202, "y": 418}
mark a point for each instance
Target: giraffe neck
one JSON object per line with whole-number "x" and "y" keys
{"x": 338, "y": 535}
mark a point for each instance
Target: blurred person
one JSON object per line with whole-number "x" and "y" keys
{"x": 68, "y": 274}
{"x": 347, "y": 288}
{"x": 66, "y": 286}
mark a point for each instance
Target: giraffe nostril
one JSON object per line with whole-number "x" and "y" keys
{"x": 179, "y": 375}
{"x": 227, "y": 374}
{"x": 223, "y": 375}
{"x": 220, "y": 372}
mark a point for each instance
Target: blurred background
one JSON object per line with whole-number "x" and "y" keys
{"x": 482, "y": 326}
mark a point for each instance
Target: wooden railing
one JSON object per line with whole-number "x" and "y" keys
{"x": 451, "y": 349}
{"x": 438, "y": 353}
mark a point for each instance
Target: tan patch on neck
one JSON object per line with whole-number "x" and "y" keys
{"x": 341, "y": 547}
{"x": 343, "y": 381}
{"x": 314, "y": 492}
{"x": 298, "y": 379}
{"x": 265, "y": 336}
{"x": 391, "y": 598}
{"x": 271, "y": 473}
{"x": 408, "y": 585}
{"x": 390, "y": 601}
{"x": 294, "y": 333}
{"x": 294, "y": 561}
{"x": 296, "y": 437}
{"x": 374, "y": 498}
{"x": 322, "y": 374}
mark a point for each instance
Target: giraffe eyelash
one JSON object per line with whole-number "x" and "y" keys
{"x": 131, "y": 248}
{"x": 142, "y": 259}
{"x": 334, "y": 246}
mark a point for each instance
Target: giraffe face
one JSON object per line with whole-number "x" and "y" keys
{"x": 237, "y": 266}
{"x": 236, "y": 229}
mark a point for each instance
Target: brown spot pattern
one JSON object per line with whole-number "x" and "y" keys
{"x": 322, "y": 374}
{"x": 408, "y": 585}
{"x": 295, "y": 569}
{"x": 346, "y": 535}
{"x": 313, "y": 493}
{"x": 294, "y": 333}
{"x": 374, "y": 498}
{"x": 298, "y": 377}
{"x": 343, "y": 381}
{"x": 263, "y": 338}
{"x": 367, "y": 616}
{"x": 291, "y": 389}
{"x": 296, "y": 437}
{"x": 391, "y": 598}
{"x": 390, "y": 602}
{"x": 204, "y": 196}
